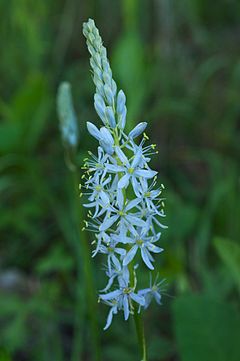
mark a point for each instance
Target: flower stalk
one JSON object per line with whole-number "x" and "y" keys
{"x": 124, "y": 202}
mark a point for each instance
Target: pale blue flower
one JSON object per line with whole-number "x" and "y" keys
{"x": 97, "y": 164}
{"x": 153, "y": 292}
{"x": 145, "y": 243}
{"x": 154, "y": 218}
{"x": 123, "y": 298}
{"x": 98, "y": 196}
{"x": 121, "y": 213}
{"x": 101, "y": 237}
{"x": 111, "y": 250}
{"x": 113, "y": 311}
{"x": 130, "y": 170}
{"x": 149, "y": 195}
{"x": 114, "y": 272}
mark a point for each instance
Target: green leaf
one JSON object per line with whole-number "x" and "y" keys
{"x": 206, "y": 329}
{"x": 229, "y": 252}
{"x": 55, "y": 261}
{"x": 13, "y": 317}
{"x": 160, "y": 348}
{"x": 4, "y": 356}
{"x": 26, "y": 114}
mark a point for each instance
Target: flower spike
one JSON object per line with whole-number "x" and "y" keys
{"x": 121, "y": 191}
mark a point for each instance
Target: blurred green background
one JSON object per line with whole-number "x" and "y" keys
{"x": 179, "y": 64}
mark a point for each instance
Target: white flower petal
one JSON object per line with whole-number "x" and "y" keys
{"x": 146, "y": 259}
{"x": 130, "y": 255}
{"x": 126, "y": 307}
{"x": 132, "y": 204}
{"x": 121, "y": 156}
{"x": 124, "y": 181}
{"x": 145, "y": 173}
{"x": 139, "y": 299}
{"x": 111, "y": 295}
{"x": 109, "y": 319}
{"x": 107, "y": 223}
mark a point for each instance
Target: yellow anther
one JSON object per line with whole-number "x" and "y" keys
{"x": 127, "y": 290}
{"x": 145, "y": 136}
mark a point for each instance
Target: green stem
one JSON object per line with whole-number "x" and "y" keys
{"x": 140, "y": 334}
{"x": 138, "y": 321}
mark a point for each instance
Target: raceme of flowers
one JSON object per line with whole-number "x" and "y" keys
{"x": 124, "y": 203}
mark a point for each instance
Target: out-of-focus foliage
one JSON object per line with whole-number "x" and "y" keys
{"x": 199, "y": 328}
{"x": 178, "y": 62}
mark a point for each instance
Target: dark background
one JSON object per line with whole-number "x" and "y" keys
{"x": 179, "y": 64}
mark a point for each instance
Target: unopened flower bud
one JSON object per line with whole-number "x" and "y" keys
{"x": 139, "y": 129}
{"x": 93, "y": 130}
{"x": 67, "y": 116}
{"x": 110, "y": 117}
